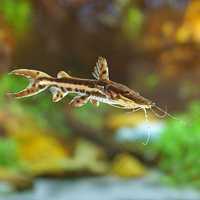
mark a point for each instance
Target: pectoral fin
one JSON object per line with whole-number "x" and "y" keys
{"x": 57, "y": 94}
{"x": 79, "y": 101}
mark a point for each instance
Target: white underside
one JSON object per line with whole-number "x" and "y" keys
{"x": 103, "y": 100}
{"x": 119, "y": 103}
{"x": 113, "y": 102}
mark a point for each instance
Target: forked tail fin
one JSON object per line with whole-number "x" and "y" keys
{"x": 34, "y": 86}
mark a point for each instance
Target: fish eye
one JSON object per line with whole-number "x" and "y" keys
{"x": 127, "y": 92}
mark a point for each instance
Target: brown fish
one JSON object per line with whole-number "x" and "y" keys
{"x": 100, "y": 89}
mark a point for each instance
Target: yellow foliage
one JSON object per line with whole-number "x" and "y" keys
{"x": 168, "y": 29}
{"x": 42, "y": 153}
{"x": 17, "y": 126}
{"x": 125, "y": 165}
{"x": 126, "y": 120}
{"x": 190, "y": 30}
{"x": 7, "y": 174}
{"x": 39, "y": 147}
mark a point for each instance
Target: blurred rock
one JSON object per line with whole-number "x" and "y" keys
{"x": 125, "y": 165}
{"x": 16, "y": 180}
{"x": 88, "y": 157}
{"x": 139, "y": 132}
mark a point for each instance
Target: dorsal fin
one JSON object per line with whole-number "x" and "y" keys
{"x": 101, "y": 71}
{"x": 63, "y": 74}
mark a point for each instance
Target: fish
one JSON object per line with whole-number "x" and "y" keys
{"x": 99, "y": 89}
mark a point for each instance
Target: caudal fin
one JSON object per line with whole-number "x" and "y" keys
{"x": 34, "y": 86}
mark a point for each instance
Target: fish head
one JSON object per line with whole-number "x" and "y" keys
{"x": 125, "y": 97}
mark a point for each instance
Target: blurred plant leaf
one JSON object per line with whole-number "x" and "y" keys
{"x": 178, "y": 147}
{"x": 133, "y": 22}
{"x": 9, "y": 155}
{"x": 91, "y": 115}
{"x": 41, "y": 152}
{"x": 17, "y": 13}
{"x": 152, "y": 81}
{"x": 10, "y": 84}
{"x": 125, "y": 165}
{"x": 190, "y": 29}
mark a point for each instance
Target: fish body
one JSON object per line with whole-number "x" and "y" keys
{"x": 100, "y": 89}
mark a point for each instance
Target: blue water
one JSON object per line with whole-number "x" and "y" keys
{"x": 104, "y": 188}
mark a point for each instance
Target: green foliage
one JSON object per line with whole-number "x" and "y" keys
{"x": 152, "y": 81}
{"x": 8, "y": 84}
{"x": 17, "y": 13}
{"x": 179, "y": 148}
{"x": 133, "y": 22}
{"x": 8, "y": 153}
{"x": 46, "y": 113}
{"x": 91, "y": 115}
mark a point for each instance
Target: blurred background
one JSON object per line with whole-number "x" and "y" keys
{"x": 51, "y": 151}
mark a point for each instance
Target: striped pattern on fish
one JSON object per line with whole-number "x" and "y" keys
{"x": 100, "y": 89}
